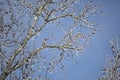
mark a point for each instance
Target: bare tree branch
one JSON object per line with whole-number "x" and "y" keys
{"x": 26, "y": 22}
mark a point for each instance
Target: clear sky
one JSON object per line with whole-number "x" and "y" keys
{"x": 98, "y": 49}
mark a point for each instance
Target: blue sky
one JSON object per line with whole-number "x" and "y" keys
{"x": 98, "y": 49}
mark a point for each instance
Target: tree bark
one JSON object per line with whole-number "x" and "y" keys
{"x": 4, "y": 75}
